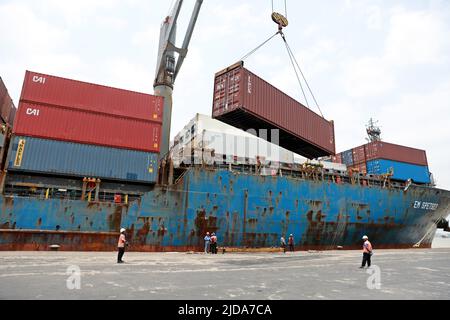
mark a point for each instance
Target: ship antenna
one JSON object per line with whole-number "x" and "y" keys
{"x": 373, "y": 131}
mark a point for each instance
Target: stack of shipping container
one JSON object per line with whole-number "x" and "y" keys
{"x": 76, "y": 129}
{"x": 7, "y": 115}
{"x": 380, "y": 157}
{"x": 212, "y": 141}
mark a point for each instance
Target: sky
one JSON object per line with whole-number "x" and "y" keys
{"x": 382, "y": 59}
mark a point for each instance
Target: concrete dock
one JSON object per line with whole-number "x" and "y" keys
{"x": 395, "y": 274}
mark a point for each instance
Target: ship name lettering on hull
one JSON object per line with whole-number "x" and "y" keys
{"x": 425, "y": 205}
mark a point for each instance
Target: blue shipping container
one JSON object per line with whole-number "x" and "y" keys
{"x": 35, "y": 155}
{"x": 402, "y": 171}
{"x": 347, "y": 157}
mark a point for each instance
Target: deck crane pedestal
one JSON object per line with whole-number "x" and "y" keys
{"x": 168, "y": 66}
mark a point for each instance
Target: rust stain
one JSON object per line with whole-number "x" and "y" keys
{"x": 115, "y": 219}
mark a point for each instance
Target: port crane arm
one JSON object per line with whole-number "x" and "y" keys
{"x": 188, "y": 36}
{"x": 168, "y": 68}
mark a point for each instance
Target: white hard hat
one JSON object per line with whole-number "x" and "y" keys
{"x": 365, "y": 237}
{"x": 122, "y": 230}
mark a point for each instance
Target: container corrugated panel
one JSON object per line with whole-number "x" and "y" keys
{"x": 337, "y": 158}
{"x": 28, "y": 154}
{"x": 384, "y": 150}
{"x": 46, "y": 89}
{"x": 347, "y": 157}
{"x": 359, "y": 155}
{"x": 6, "y": 105}
{"x": 246, "y": 101}
{"x": 402, "y": 171}
{"x": 12, "y": 115}
{"x": 50, "y": 122}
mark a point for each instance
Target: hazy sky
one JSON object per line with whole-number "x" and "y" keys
{"x": 389, "y": 60}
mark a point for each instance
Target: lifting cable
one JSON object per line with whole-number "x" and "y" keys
{"x": 285, "y": 8}
{"x": 293, "y": 60}
{"x": 258, "y": 47}
{"x": 292, "y": 57}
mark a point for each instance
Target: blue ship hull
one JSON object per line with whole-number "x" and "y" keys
{"x": 244, "y": 210}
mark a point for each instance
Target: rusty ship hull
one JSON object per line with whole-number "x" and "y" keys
{"x": 244, "y": 210}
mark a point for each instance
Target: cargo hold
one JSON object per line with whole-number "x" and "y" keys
{"x": 246, "y": 101}
{"x": 51, "y": 122}
{"x": 46, "y": 89}
{"x": 40, "y": 156}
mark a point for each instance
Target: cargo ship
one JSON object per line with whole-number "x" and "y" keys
{"x": 66, "y": 186}
{"x": 80, "y": 161}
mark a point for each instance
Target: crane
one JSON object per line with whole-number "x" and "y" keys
{"x": 168, "y": 67}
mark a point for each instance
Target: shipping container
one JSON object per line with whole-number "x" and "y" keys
{"x": 7, "y": 109}
{"x": 204, "y": 132}
{"x": 384, "y": 150}
{"x": 402, "y": 171}
{"x": 246, "y": 101}
{"x": 347, "y": 157}
{"x": 46, "y": 89}
{"x": 41, "y": 156}
{"x": 337, "y": 158}
{"x": 51, "y": 122}
{"x": 359, "y": 155}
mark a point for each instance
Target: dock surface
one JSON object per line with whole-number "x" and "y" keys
{"x": 395, "y": 274}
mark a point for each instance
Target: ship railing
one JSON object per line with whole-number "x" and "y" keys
{"x": 312, "y": 173}
{"x": 72, "y": 193}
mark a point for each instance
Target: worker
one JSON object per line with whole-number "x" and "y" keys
{"x": 121, "y": 245}
{"x": 291, "y": 243}
{"x": 213, "y": 243}
{"x": 283, "y": 243}
{"x": 207, "y": 242}
{"x": 367, "y": 252}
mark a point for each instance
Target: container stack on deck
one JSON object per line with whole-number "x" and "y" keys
{"x": 246, "y": 101}
{"x": 74, "y": 129}
{"x": 206, "y": 140}
{"x": 380, "y": 157}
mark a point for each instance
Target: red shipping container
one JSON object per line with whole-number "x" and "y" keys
{"x": 51, "y": 90}
{"x": 337, "y": 158}
{"x": 359, "y": 155}
{"x": 246, "y": 101}
{"x": 7, "y": 111}
{"x": 389, "y": 151}
{"x": 57, "y": 123}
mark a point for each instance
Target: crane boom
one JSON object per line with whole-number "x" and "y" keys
{"x": 168, "y": 67}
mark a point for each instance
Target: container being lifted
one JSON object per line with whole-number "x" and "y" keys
{"x": 246, "y": 101}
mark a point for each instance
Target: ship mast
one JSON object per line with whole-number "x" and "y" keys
{"x": 373, "y": 131}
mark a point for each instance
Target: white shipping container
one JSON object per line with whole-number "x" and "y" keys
{"x": 204, "y": 132}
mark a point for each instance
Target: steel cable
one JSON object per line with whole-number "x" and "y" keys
{"x": 303, "y": 76}
{"x": 258, "y": 47}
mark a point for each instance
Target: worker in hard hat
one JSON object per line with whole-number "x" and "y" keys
{"x": 367, "y": 252}
{"x": 291, "y": 243}
{"x": 121, "y": 245}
